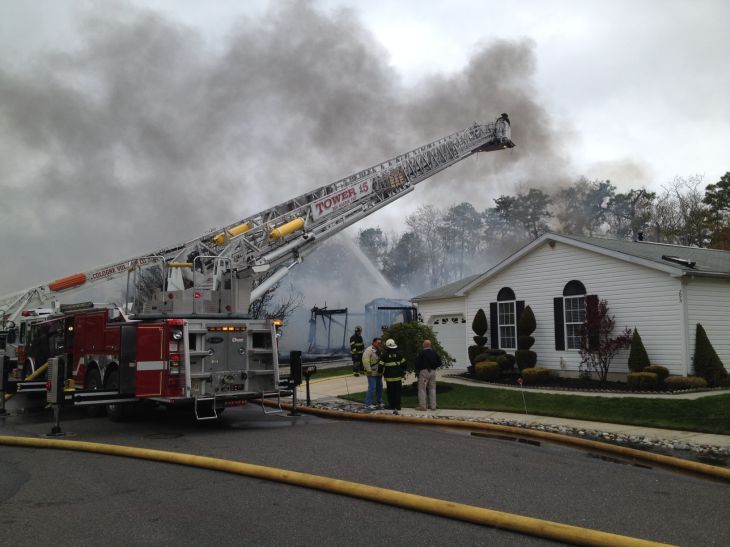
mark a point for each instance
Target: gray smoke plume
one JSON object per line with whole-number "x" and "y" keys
{"x": 146, "y": 135}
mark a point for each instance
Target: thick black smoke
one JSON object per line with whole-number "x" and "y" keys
{"x": 147, "y": 135}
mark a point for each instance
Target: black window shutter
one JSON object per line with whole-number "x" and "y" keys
{"x": 519, "y": 308}
{"x": 559, "y": 323}
{"x": 493, "y": 326}
{"x": 592, "y": 309}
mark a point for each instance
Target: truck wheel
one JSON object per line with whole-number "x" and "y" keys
{"x": 92, "y": 383}
{"x": 116, "y": 412}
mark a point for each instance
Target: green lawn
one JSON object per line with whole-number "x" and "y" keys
{"x": 330, "y": 372}
{"x": 710, "y": 414}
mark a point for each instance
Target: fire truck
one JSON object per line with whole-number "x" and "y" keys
{"x": 189, "y": 339}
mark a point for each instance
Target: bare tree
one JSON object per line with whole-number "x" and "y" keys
{"x": 425, "y": 223}
{"x": 598, "y": 346}
{"x": 267, "y": 307}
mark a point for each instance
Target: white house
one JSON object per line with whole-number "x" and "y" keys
{"x": 663, "y": 290}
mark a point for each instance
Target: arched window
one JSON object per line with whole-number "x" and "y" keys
{"x": 570, "y": 314}
{"x": 574, "y": 288}
{"x": 504, "y": 314}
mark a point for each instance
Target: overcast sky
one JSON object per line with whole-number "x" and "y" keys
{"x": 125, "y": 126}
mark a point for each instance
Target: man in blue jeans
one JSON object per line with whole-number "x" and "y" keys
{"x": 373, "y": 370}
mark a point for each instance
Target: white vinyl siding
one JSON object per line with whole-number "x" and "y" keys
{"x": 637, "y": 296}
{"x": 708, "y": 303}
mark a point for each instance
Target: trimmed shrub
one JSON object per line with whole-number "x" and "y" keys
{"x": 536, "y": 376}
{"x": 487, "y": 370}
{"x": 482, "y": 357}
{"x": 660, "y": 371}
{"x": 506, "y": 361}
{"x": 479, "y": 325}
{"x": 685, "y": 382}
{"x": 526, "y": 325}
{"x": 474, "y": 351}
{"x": 525, "y": 358}
{"x": 642, "y": 379}
{"x": 707, "y": 362}
{"x": 638, "y": 358}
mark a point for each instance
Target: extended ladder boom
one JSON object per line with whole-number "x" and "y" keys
{"x": 281, "y": 236}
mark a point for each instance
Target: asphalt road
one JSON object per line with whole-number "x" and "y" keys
{"x": 86, "y": 499}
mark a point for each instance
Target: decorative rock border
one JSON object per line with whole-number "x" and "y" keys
{"x": 644, "y": 443}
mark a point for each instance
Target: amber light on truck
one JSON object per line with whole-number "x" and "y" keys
{"x": 226, "y": 329}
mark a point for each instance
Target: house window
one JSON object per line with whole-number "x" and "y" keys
{"x": 575, "y": 315}
{"x": 574, "y": 308}
{"x": 507, "y": 325}
{"x": 506, "y": 318}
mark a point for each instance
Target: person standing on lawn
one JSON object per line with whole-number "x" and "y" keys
{"x": 356, "y": 349}
{"x": 427, "y": 361}
{"x": 394, "y": 371}
{"x": 373, "y": 370}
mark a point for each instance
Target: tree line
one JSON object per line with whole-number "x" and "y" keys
{"x": 444, "y": 245}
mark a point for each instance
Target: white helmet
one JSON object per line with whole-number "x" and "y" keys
{"x": 390, "y": 343}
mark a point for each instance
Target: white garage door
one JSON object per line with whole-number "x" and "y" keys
{"x": 450, "y": 330}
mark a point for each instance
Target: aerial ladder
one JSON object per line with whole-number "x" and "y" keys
{"x": 226, "y": 269}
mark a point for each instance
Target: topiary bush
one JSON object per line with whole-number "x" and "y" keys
{"x": 494, "y": 353}
{"x": 525, "y": 358}
{"x": 479, "y": 325}
{"x": 526, "y": 325}
{"x": 536, "y": 376}
{"x": 487, "y": 370}
{"x": 706, "y": 361}
{"x": 506, "y": 362}
{"x": 661, "y": 372}
{"x": 638, "y": 358}
{"x": 642, "y": 379}
{"x": 685, "y": 382}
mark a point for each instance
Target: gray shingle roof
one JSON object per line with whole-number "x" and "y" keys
{"x": 447, "y": 291}
{"x": 706, "y": 261}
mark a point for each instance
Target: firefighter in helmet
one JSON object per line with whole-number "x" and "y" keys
{"x": 394, "y": 371}
{"x": 357, "y": 347}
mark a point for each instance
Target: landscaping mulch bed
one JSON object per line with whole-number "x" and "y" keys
{"x": 581, "y": 384}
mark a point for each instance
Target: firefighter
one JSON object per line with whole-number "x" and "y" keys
{"x": 357, "y": 346}
{"x": 394, "y": 372}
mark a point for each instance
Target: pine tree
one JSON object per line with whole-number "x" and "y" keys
{"x": 706, "y": 361}
{"x": 638, "y": 358}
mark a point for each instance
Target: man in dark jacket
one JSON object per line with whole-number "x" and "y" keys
{"x": 427, "y": 361}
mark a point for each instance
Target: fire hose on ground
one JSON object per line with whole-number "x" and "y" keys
{"x": 698, "y": 468}
{"x": 458, "y": 511}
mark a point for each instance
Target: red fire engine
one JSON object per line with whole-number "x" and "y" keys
{"x": 189, "y": 339}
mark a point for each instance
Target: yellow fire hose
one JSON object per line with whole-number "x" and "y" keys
{"x": 30, "y": 378}
{"x": 659, "y": 459}
{"x": 448, "y": 509}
